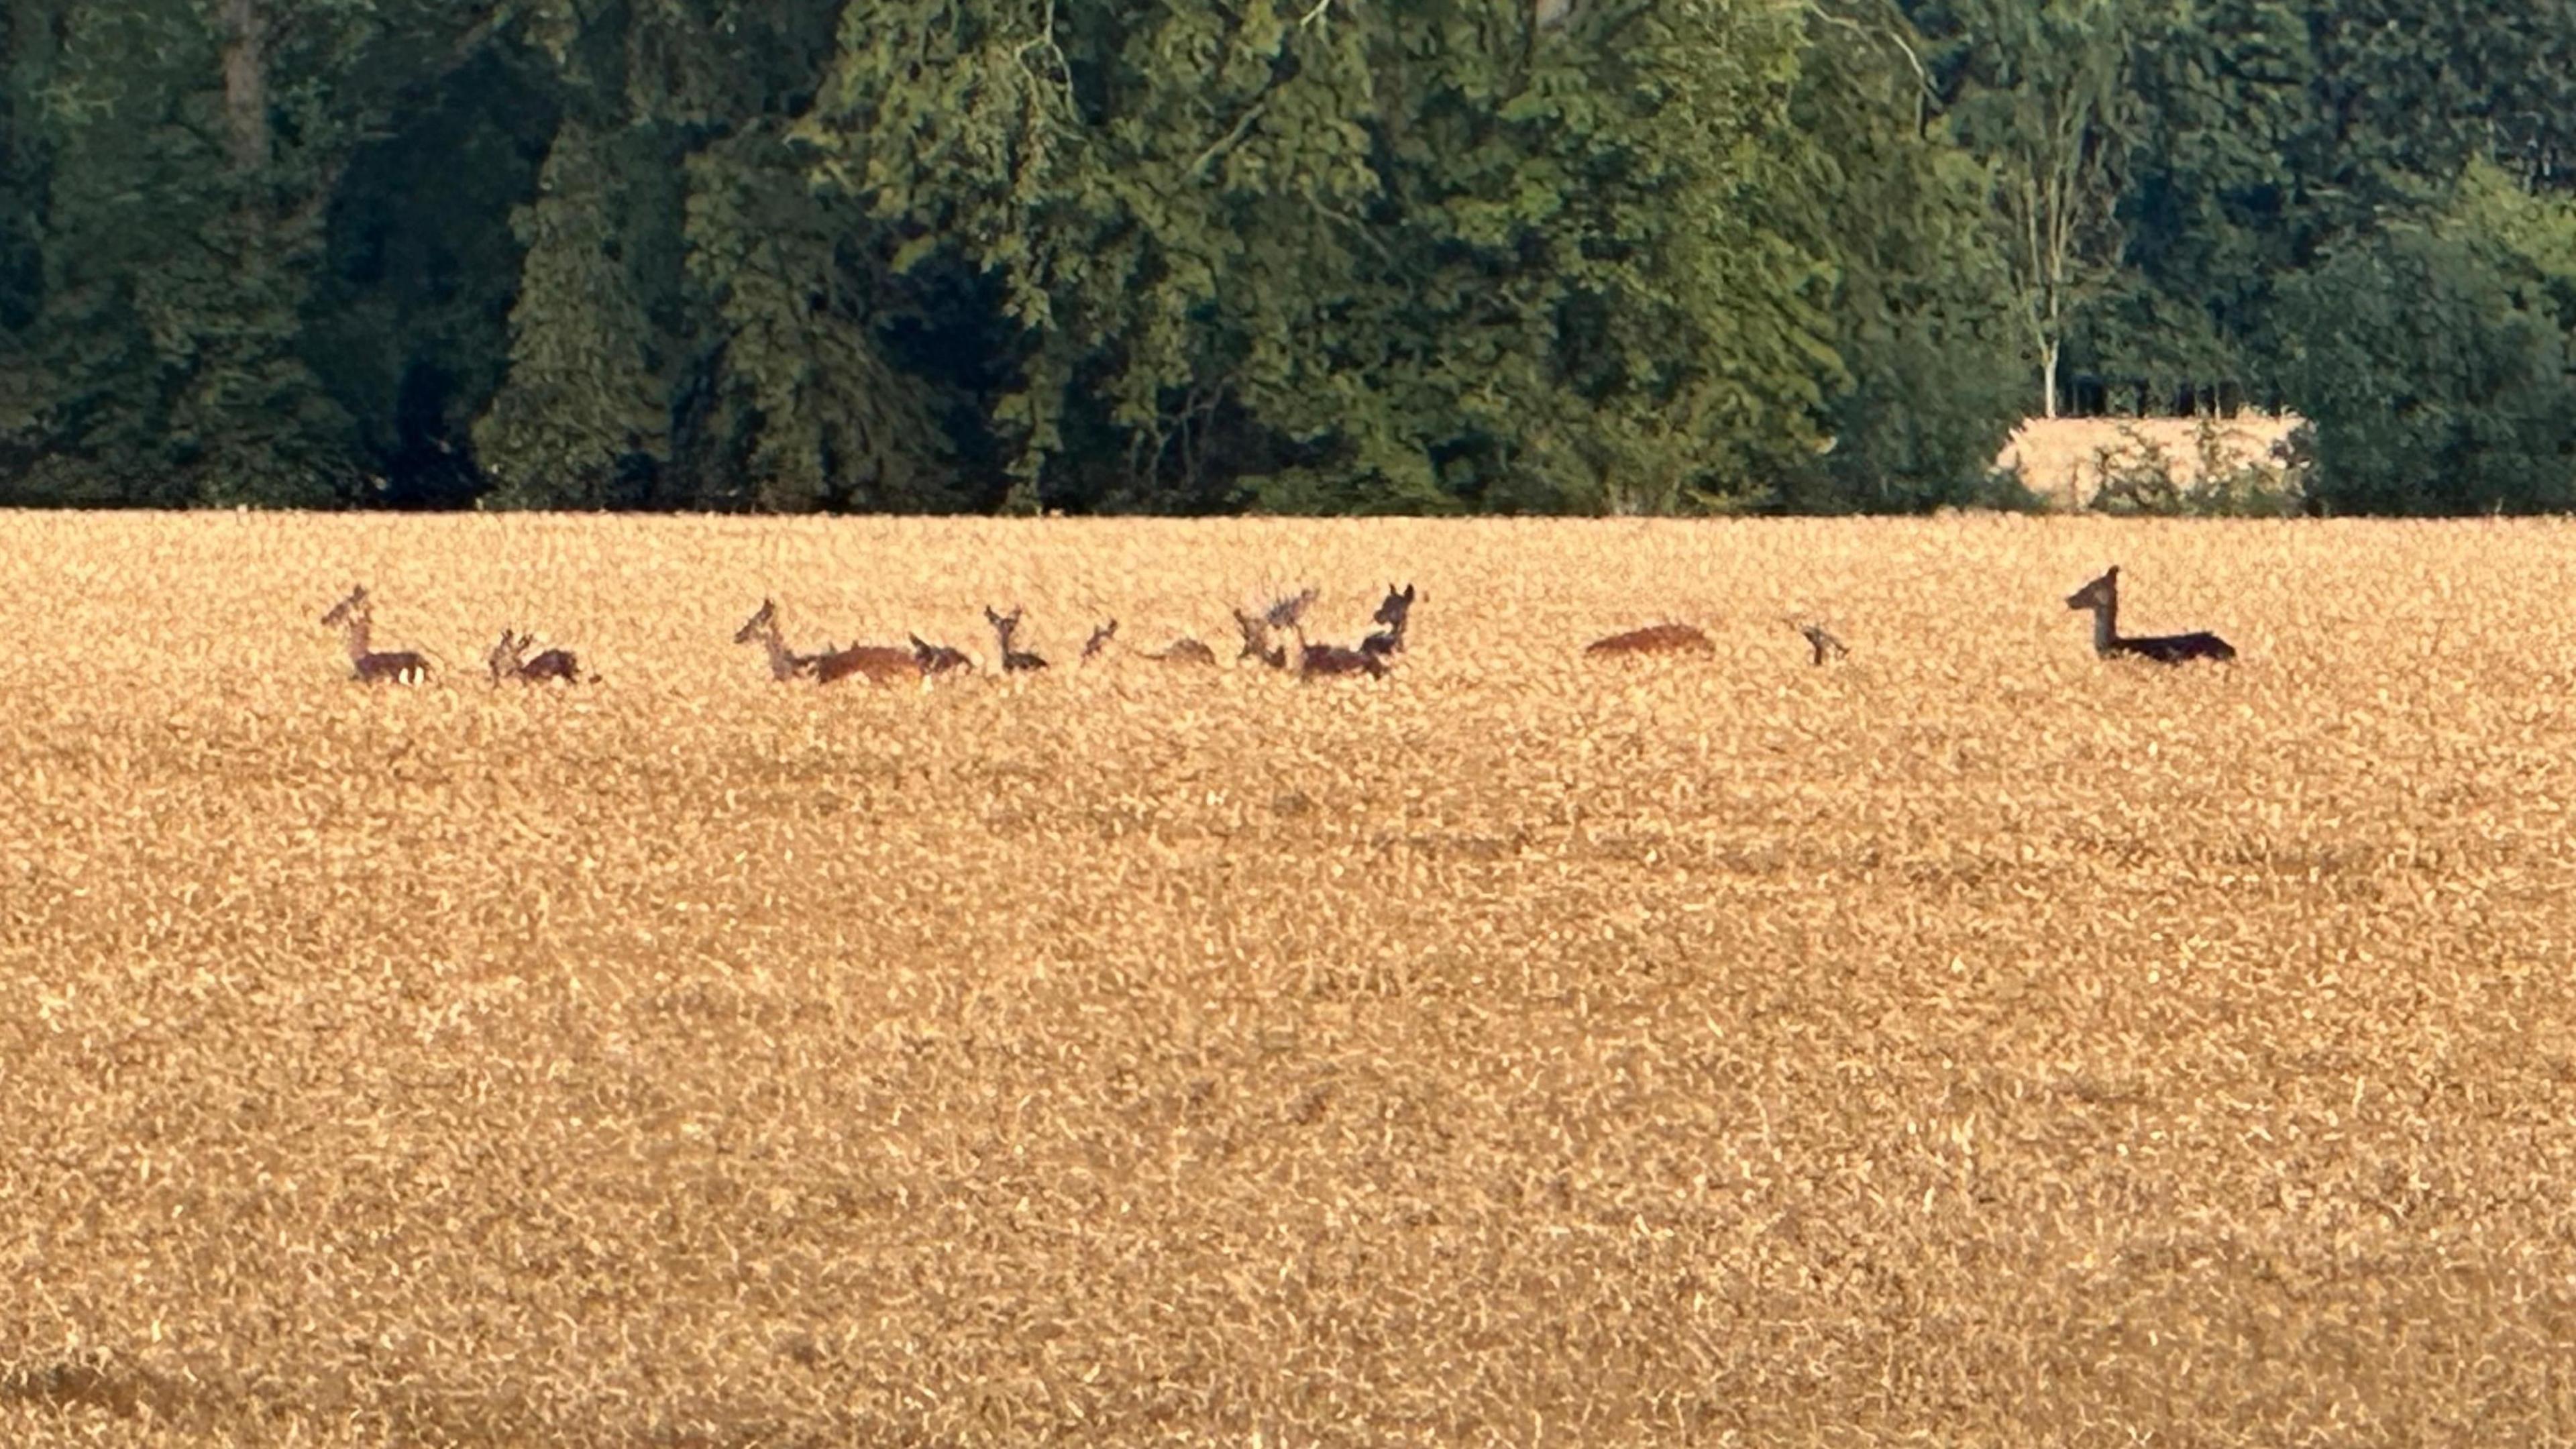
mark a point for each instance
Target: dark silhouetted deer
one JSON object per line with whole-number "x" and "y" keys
{"x": 1820, "y": 640}
{"x": 938, "y": 658}
{"x": 2102, "y": 596}
{"x": 1099, "y": 639}
{"x": 1654, "y": 639}
{"x": 506, "y": 661}
{"x": 1393, "y": 613}
{"x": 1014, "y": 661}
{"x": 355, "y": 615}
{"x": 1315, "y": 661}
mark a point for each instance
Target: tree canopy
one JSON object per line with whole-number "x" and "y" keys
{"x": 1213, "y": 255}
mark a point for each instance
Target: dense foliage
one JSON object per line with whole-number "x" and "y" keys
{"x": 1211, "y": 255}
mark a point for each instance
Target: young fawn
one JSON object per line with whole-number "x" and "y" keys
{"x": 2102, "y": 596}
{"x": 1014, "y": 661}
{"x": 506, "y": 662}
{"x": 356, "y": 615}
{"x": 1393, "y": 613}
{"x": 1654, "y": 639}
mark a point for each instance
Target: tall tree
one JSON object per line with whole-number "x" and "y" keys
{"x": 2044, "y": 93}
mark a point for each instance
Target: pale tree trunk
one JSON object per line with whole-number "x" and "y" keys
{"x": 245, "y": 33}
{"x": 2048, "y": 378}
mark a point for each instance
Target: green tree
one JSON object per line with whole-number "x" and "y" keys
{"x": 1423, "y": 257}
{"x": 2435, "y": 359}
{"x": 2043, "y": 92}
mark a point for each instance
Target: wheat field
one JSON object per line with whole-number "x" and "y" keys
{"x": 1969, "y": 1043}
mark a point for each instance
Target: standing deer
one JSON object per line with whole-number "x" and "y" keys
{"x": 1654, "y": 639}
{"x": 1014, "y": 661}
{"x": 1393, "y": 613}
{"x": 356, "y": 615}
{"x": 505, "y": 662}
{"x": 938, "y": 658}
{"x": 2102, "y": 596}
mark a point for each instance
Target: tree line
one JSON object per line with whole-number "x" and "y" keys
{"x": 1334, "y": 256}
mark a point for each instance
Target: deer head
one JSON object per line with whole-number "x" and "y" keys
{"x": 2102, "y": 593}
{"x": 1392, "y": 612}
{"x": 1099, "y": 639}
{"x": 758, "y": 624}
{"x": 352, "y": 607}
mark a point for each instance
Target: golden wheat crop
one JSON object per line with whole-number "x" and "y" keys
{"x": 1972, "y": 1042}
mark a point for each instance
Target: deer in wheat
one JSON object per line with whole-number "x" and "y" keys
{"x": 1654, "y": 639}
{"x": 1394, "y": 613}
{"x": 1821, "y": 641}
{"x": 356, "y": 616}
{"x": 2102, "y": 596}
{"x": 1014, "y": 661}
{"x": 938, "y": 658}
{"x": 1099, "y": 640}
{"x": 879, "y": 663}
{"x": 506, "y": 661}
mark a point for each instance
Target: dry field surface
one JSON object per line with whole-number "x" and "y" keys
{"x": 1971, "y": 1043}
{"x": 2062, "y": 459}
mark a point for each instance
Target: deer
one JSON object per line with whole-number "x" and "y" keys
{"x": 1819, "y": 639}
{"x": 1393, "y": 613}
{"x": 880, "y": 663}
{"x": 1099, "y": 640}
{"x": 1014, "y": 661}
{"x": 1257, "y": 643}
{"x": 762, "y": 627}
{"x": 1260, "y": 630}
{"x": 1315, "y": 661}
{"x": 2102, "y": 596}
{"x": 505, "y": 662}
{"x": 356, "y": 615}
{"x": 1184, "y": 650}
{"x": 938, "y": 658}
{"x": 1654, "y": 639}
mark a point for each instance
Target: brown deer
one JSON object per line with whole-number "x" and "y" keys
{"x": 2102, "y": 596}
{"x": 1099, "y": 640}
{"x": 762, "y": 627}
{"x": 1315, "y": 661}
{"x": 1014, "y": 661}
{"x": 938, "y": 658}
{"x": 1257, "y": 643}
{"x": 356, "y": 615}
{"x": 1819, "y": 640}
{"x": 1393, "y": 613}
{"x": 1654, "y": 639}
{"x": 505, "y": 662}
{"x": 880, "y": 663}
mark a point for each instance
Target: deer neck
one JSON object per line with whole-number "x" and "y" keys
{"x": 358, "y": 631}
{"x": 2106, "y": 626}
{"x": 782, "y": 665}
